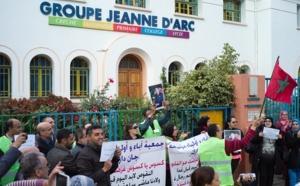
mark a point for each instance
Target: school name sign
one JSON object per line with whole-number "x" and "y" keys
{"x": 92, "y": 18}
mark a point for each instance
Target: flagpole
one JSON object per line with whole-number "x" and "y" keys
{"x": 261, "y": 109}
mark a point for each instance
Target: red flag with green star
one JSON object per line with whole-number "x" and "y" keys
{"x": 281, "y": 85}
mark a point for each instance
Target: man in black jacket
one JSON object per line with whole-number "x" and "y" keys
{"x": 61, "y": 153}
{"x": 88, "y": 160}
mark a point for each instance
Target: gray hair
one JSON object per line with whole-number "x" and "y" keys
{"x": 29, "y": 162}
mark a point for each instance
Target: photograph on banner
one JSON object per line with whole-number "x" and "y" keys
{"x": 143, "y": 162}
{"x": 157, "y": 95}
{"x": 183, "y": 158}
{"x": 232, "y": 134}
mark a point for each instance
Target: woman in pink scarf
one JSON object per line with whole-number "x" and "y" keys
{"x": 284, "y": 125}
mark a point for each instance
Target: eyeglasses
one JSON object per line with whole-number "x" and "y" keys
{"x": 47, "y": 166}
{"x": 134, "y": 127}
{"x": 268, "y": 121}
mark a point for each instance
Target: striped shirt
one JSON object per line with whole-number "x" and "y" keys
{"x": 37, "y": 182}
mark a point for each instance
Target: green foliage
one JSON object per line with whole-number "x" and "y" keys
{"x": 209, "y": 85}
{"x": 98, "y": 101}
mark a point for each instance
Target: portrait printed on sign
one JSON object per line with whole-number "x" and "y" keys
{"x": 157, "y": 95}
{"x": 232, "y": 134}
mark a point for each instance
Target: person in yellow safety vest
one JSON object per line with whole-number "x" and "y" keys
{"x": 151, "y": 127}
{"x": 216, "y": 152}
{"x": 12, "y": 155}
{"x": 12, "y": 127}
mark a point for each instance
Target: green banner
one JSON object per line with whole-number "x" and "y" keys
{"x": 65, "y": 22}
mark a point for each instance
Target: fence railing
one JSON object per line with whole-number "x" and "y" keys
{"x": 112, "y": 122}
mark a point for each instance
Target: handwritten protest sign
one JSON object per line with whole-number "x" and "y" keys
{"x": 30, "y": 142}
{"x": 183, "y": 159}
{"x": 270, "y": 133}
{"x": 108, "y": 151}
{"x": 142, "y": 162}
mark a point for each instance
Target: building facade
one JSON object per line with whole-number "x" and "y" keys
{"x": 71, "y": 47}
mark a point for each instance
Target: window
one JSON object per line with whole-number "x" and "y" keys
{"x": 5, "y": 77}
{"x": 244, "y": 70}
{"x": 232, "y": 10}
{"x": 200, "y": 65}
{"x": 79, "y": 85}
{"x": 129, "y": 62}
{"x": 40, "y": 77}
{"x": 136, "y": 3}
{"x": 189, "y": 7}
{"x": 173, "y": 74}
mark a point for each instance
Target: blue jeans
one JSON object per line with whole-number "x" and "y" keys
{"x": 294, "y": 175}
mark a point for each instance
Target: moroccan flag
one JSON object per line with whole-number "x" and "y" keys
{"x": 281, "y": 85}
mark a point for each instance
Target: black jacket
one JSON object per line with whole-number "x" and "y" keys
{"x": 259, "y": 141}
{"x": 63, "y": 155}
{"x": 88, "y": 164}
{"x": 45, "y": 146}
{"x": 128, "y": 137}
{"x": 293, "y": 143}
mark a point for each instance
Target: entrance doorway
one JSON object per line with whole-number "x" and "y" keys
{"x": 130, "y": 77}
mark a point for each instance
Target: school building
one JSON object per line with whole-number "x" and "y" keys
{"x": 71, "y": 47}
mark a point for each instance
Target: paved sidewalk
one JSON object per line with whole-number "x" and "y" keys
{"x": 278, "y": 182}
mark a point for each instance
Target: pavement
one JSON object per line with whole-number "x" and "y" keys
{"x": 278, "y": 181}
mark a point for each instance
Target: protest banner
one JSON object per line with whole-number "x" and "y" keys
{"x": 142, "y": 162}
{"x": 183, "y": 159}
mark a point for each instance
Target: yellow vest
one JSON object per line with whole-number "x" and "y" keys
{"x": 150, "y": 133}
{"x": 11, "y": 174}
{"x": 212, "y": 153}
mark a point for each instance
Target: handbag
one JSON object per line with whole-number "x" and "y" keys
{"x": 251, "y": 148}
{"x": 286, "y": 154}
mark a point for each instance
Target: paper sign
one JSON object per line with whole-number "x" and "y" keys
{"x": 30, "y": 142}
{"x": 142, "y": 162}
{"x": 107, "y": 151}
{"x": 184, "y": 159}
{"x": 270, "y": 133}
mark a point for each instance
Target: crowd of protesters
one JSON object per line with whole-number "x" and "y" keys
{"x": 77, "y": 154}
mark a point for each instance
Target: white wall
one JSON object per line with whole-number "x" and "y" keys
{"x": 268, "y": 29}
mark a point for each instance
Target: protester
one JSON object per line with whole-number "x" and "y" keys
{"x": 45, "y": 142}
{"x": 171, "y": 133}
{"x": 236, "y": 155}
{"x": 88, "y": 160}
{"x": 284, "y": 125}
{"x": 12, "y": 155}
{"x": 216, "y": 150}
{"x": 205, "y": 176}
{"x": 12, "y": 127}
{"x": 52, "y": 123}
{"x": 61, "y": 152}
{"x": 81, "y": 141}
{"x": 202, "y": 125}
{"x": 293, "y": 144}
{"x": 35, "y": 169}
{"x": 151, "y": 127}
{"x": 131, "y": 131}
{"x": 263, "y": 160}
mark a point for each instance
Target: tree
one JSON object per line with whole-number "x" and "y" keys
{"x": 210, "y": 85}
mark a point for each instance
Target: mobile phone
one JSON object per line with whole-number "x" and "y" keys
{"x": 62, "y": 179}
{"x": 247, "y": 177}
